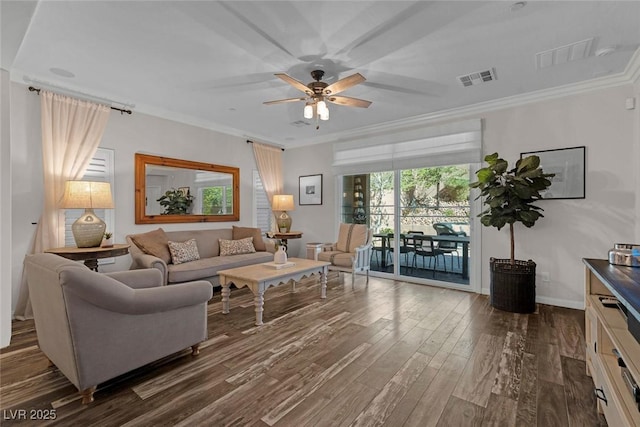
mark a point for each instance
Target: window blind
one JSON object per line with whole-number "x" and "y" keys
{"x": 447, "y": 144}
{"x": 262, "y": 210}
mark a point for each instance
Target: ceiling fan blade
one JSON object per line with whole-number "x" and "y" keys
{"x": 282, "y": 101}
{"x": 295, "y": 83}
{"x": 344, "y": 84}
{"x": 348, "y": 101}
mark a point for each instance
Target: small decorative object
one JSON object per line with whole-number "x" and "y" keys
{"x": 107, "y": 242}
{"x": 279, "y": 266}
{"x": 509, "y": 195}
{"x": 176, "y": 202}
{"x": 627, "y": 254}
{"x": 280, "y": 257}
{"x": 310, "y": 191}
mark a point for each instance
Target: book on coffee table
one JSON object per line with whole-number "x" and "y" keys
{"x": 279, "y": 266}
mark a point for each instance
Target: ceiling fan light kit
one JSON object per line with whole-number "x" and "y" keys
{"x": 319, "y": 92}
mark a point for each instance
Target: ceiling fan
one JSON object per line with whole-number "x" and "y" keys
{"x": 318, "y": 92}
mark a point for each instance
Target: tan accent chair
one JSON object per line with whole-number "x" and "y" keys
{"x": 352, "y": 252}
{"x": 96, "y": 326}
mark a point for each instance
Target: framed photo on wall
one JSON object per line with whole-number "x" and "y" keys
{"x": 310, "y": 192}
{"x": 569, "y": 166}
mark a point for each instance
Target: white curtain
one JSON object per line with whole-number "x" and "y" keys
{"x": 269, "y": 162}
{"x": 71, "y": 132}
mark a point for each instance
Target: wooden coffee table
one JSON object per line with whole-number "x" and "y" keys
{"x": 259, "y": 277}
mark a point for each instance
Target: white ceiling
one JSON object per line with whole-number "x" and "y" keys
{"x": 211, "y": 63}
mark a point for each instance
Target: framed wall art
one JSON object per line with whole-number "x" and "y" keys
{"x": 310, "y": 190}
{"x": 569, "y": 166}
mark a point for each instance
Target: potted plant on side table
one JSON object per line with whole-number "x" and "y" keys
{"x": 510, "y": 195}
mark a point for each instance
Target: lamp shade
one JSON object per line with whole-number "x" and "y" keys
{"x": 282, "y": 202}
{"x": 308, "y": 111}
{"x": 87, "y": 195}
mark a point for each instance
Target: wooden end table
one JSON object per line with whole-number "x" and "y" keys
{"x": 283, "y": 237}
{"x": 90, "y": 256}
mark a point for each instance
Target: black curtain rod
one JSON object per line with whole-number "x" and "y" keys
{"x": 251, "y": 142}
{"x": 122, "y": 111}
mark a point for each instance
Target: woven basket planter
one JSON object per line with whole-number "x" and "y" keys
{"x": 513, "y": 287}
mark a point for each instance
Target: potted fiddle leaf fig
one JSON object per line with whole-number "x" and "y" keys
{"x": 509, "y": 195}
{"x": 175, "y": 202}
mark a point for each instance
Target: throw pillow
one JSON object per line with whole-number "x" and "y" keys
{"x": 256, "y": 233}
{"x": 153, "y": 243}
{"x": 236, "y": 247}
{"x": 184, "y": 251}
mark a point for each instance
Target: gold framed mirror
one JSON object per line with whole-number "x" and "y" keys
{"x": 173, "y": 190}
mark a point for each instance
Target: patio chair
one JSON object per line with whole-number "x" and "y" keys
{"x": 425, "y": 247}
{"x": 405, "y": 247}
{"x": 378, "y": 248}
{"x": 448, "y": 247}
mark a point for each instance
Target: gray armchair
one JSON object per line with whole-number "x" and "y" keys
{"x": 96, "y": 326}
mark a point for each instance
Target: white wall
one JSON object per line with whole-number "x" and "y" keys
{"x": 571, "y": 229}
{"x": 5, "y": 212}
{"x": 126, "y": 135}
{"x": 317, "y": 222}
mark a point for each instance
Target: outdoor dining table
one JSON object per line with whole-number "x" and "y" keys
{"x": 464, "y": 240}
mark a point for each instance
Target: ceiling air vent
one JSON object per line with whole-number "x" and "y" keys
{"x": 478, "y": 77}
{"x": 563, "y": 54}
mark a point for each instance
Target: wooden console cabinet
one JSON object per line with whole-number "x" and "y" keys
{"x": 607, "y": 333}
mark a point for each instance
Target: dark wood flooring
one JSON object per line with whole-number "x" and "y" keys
{"x": 390, "y": 353}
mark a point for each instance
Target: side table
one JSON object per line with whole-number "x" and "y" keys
{"x": 90, "y": 256}
{"x": 283, "y": 237}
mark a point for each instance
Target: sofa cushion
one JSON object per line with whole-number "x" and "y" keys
{"x": 209, "y": 267}
{"x": 183, "y": 251}
{"x": 154, "y": 243}
{"x": 206, "y": 239}
{"x": 236, "y": 247}
{"x": 244, "y": 232}
{"x": 350, "y": 236}
{"x": 337, "y": 258}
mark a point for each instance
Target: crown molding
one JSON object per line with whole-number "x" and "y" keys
{"x": 21, "y": 78}
{"x": 633, "y": 68}
{"x": 493, "y": 105}
{"x": 201, "y": 123}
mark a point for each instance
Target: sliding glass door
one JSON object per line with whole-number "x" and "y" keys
{"x": 421, "y": 219}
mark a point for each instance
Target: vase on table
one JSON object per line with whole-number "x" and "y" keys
{"x": 280, "y": 257}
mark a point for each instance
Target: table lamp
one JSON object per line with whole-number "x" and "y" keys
{"x": 88, "y": 230}
{"x": 283, "y": 203}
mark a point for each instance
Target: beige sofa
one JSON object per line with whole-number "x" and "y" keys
{"x": 96, "y": 326}
{"x": 149, "y": 250}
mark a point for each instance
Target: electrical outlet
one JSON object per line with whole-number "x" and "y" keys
{"x": 544, "y": 275}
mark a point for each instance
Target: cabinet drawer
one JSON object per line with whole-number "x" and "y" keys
{"x": 607, "y": 401}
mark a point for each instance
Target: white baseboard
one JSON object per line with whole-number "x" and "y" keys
{"x": 578, "y": 305}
